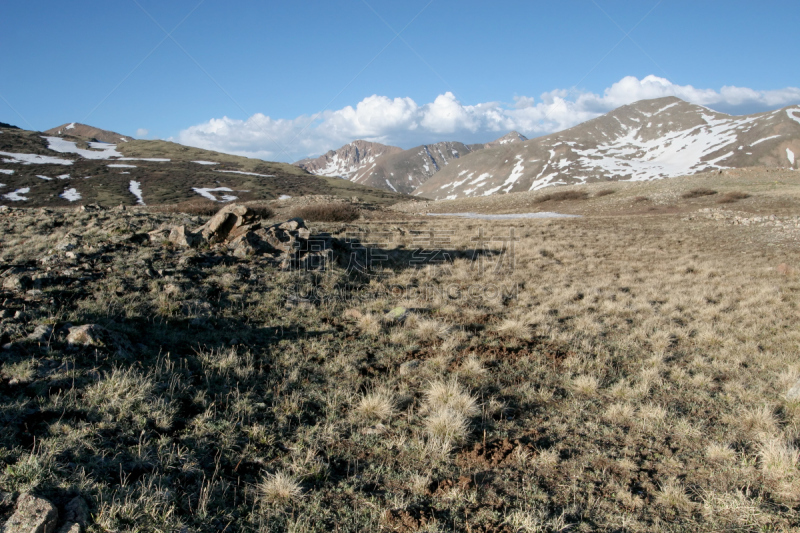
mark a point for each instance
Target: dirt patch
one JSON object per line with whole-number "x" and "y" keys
{"x": 408, "y": 520}
{"x": 498, "y": 452}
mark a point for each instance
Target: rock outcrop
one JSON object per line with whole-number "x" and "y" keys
{"x": 237, "y": 228}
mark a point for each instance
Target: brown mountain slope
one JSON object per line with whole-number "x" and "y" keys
{"x": 347, "y": 160}
{"x": 650, "y": 139}
{"x": 405, "y": 171}
{"x": 88, "y": 133}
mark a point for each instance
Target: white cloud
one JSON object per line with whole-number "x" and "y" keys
{"x": 403, "y": 122}
{"x": 141, "y": 133}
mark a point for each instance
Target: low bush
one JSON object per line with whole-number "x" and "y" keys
{"x": 331, "y": 212}
{"x": 698, "y": 193}
{"x": 733, "y": 196}
{"x": 604, "y": 192}
{"x": 562, "y": 196}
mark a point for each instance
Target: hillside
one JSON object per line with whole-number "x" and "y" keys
{"x": 87, "y": 133}
{"x": 647, "y": 140}
{"x": 41, "y": 170}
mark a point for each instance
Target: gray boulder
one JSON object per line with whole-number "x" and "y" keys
{"x": 32, "y": 515}
{"x": 180, "y": 236}
{"x": 229, "y": 222}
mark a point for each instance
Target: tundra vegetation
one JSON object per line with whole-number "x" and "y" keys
{"x": 622, "y": 372}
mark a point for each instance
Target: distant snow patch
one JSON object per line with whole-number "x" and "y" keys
{"x": 389, "y": 183}
{"x": 70, "y": 194}
{"x": 18, "y": 195}
{"x": 246, "y": 173}
{"x": 27, "y": 159}
{"x": 206, "y": 162}
{"x": 765, "y": 139}
{"x": 284, "y": 197}
{"x": 6, "y": 171}
{"x": 71, "y": 126}
{"x": 43, "y": 177}
{"x": 791, "y": 113}
{"x": 63, "y": 177}
{"x": 120, "y": 165}
{"x": 665, "y": 108}
{"x": 206, "y": 193}
{"x": 136, "y": 189}
{"x": 98, "y": 150}
{"x": 152, "y": 159}
{"x": 790, "y": 155}
{"x": 482, "y": 216}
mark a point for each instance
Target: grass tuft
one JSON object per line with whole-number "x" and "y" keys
{"x": 279, "y": 488}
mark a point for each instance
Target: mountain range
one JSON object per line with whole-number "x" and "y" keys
{"x": 649, "y": 139}
{"x": 391, "y": 167}
{"x": 646, "y": 140}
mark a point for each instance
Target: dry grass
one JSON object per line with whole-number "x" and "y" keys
{"x": 629, "y": 373}
{"x": 377, "y": 405}
{"x": 279, "y": 488}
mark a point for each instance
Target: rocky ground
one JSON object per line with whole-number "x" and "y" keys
{"x": 631, "y": 371}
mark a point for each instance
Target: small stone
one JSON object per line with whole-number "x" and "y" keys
{"x": 32, "y": 515}
{"x": 159, "y": 235}
{"x": 292, "y": 224}
{"x": 180, "y": 236}
{"x": 6, "y": 499}
{"x": 408, "y": 367}
{"x": 77, "y": 511}
{"x": 86, "y": 335}
{"x": 70, "y": 527}
{"x": 794, "y": 392}
{"x": 17, "y": 283}
{"x": 398, "y": 314}
{"x": 41, "y": 334}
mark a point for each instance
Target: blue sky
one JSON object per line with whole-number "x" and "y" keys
{"x": 282, "y": 80}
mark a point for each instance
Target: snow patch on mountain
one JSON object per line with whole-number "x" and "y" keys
{"x": 98, "y": 150}
{"x": 33, "y": 159}
{"x": 207, "y": 193}
{"x": 765, "y": 139}
{"x": 246, "y": 173}
{"x": 136, "y": 189}
{"x": 70, "y": 194}
{"x": 18, "y": 195}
